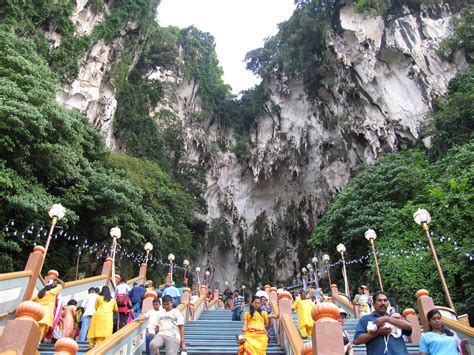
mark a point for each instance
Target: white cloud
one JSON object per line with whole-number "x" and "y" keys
{"x": 237, "y": 25}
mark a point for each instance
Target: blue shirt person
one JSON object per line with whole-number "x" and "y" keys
{"x": 378, "y": 338}
{"x": 173, "y": 292}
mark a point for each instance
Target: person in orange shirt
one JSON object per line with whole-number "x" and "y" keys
{"x": 69, "y": 319}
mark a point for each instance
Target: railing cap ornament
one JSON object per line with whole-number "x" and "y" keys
{"x": 39, "y": 249}
{"x": 325, "y": 312}
{"x": 272, "y": 289}
{"x": 30, "y": 310}
{"x": 66, "y": 346}
{"x": 150, "y": 294}
{"x": 143, "y": 264}
{"x": 333, "y": 286}
{"x": 421, "y": 293}
{"x": 307, "y": 349}
{"x": 109, "y": 259}
{"x": 409, "y": 312}
{"x": 285, "y": 295}
{"x": 186, "y": 289}
{"x": 266, "y": 286}
{"x": 53, "y": 274}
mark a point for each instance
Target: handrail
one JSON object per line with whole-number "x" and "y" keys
{"x": 459, "y": 327}
{"x": 84, "y": 281}
{"x": 13, "y": 275}
{"x": 292, "y": 334}
{"x": 131, "y": 281}
{"x": 199, "y": 301}
{"x": 275, "y": 309}
{"x": 344, "y": 302}
{"x": 5, "y": 314}
{"x": 121, "y": 334}
{"x": 212, "y": 303}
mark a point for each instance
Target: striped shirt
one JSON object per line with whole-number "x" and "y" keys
{"x": 238, "y": 301}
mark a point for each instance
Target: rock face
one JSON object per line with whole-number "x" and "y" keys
{"x": 382, "y": 84}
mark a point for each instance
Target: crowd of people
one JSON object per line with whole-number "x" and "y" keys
{"x": 102, "y": 313}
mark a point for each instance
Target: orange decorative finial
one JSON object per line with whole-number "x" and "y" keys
{"x": 39, "y": 249}
{"x": 333, "y": 286}
{"x": 109, "y": 259}
{"x": 150, "y": 294}
{"x": 30, "y": 310}
{"x": 421, "y": 293}
{"x": 307, "y": 349}
{"x": 66, "y": 346}
{"x": 285, "y": 295}
{"x": 325, "y": 312}
{"x": 272, "y": 289}
{"x": 186, "y": 289}
{"x": 409, "y": 312}
{"x": 53, "y": 274}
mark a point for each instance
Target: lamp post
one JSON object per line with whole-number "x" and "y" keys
{"x": 207, "y": 273}
{"x": 185, "y": 264}
{"x": 148, "y": 248}
{"x": 423, "y": 218}
{"x": 243, "y": 292}
{"x": 56, "y": 212}
{"x": 341, "y": 249}
{"x": 171, "y": 259}
{"x": 310, "y": 272}
{"x": 370, "y": 235}
{"x": 77, "y": 262}
{"x": 116, "y": 234}
{"x": 315, "y": 262}
{"x": 198, "y": 270}
{"x": 326, "y": 262}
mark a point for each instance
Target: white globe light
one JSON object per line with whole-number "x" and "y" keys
{"x": 226, "y": 283}
{"x": 57, "y": 210}
{"x": 304, "y": 270}
{"x": 207, "y": 273}
{"x": 314, "y": 260}
{"x": 309, "y": 266}
{"x": 243, "y": 287}
{"x": 326, "y": 258}
{"x": 148, "y": 246}
{"x": 171, "y": 257}
{"x": 115, "y": 232}
{"x": 422, "y": 216}
{"x": 198, "y": 269}
{"x": 341, "y": 248}
{"x": 186, "y": 262}
{"x": 370, "y": 234}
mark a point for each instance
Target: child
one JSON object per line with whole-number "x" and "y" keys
{"x": 69, "y": 319}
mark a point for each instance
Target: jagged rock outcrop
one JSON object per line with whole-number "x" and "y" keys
{"x": 380, "y": 88}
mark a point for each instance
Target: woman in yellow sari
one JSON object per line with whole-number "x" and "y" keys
{"x": 46, "y": 297}
{"x": 102, "y": 321}
{"x": 254, "y": 333}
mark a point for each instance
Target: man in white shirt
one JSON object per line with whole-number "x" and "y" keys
{"x": 88, "y": 304}
{"x": 152, "y": 322}
{"x": 261, "y": 293}
{"x": 171, "y": 330}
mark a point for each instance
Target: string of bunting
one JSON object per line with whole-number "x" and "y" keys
{"x": 33, "y": 234}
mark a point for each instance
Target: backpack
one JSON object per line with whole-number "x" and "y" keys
{"x": 122, "y": 300}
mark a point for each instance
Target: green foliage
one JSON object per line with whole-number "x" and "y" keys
{"x": 220, "y": 233}
{"x": 241, "y": 149}
{"x": 454, "y": 123}
{"x": 50, "y": 154}
{"x": 463, "y": 34}
{"x": 384, "y": 197}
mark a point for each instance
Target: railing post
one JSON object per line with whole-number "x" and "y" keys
{"x": 357, "y": 311}
{"x": 22, "y": 334}
{"x": 142, "y": 272}
{"x": 168, "y": 278}
{"x": 267, "y": 289}
{"x": 34, "y": 264}
{"x": 186, "y": 297}
{"x": 272, "y": 294}
{"x": 216, "y": 297}
{"x": 425, "y": 304}
{"x": 65, "y": 346}
{"x": 327, "y": 331}
{"x": 107, "y": 269}
{"x": 334, "y": 290}
{"x": 411, "y": 317}
{"x": 147, "y": 304}
{"x": 284, "y": 307}
{"x": 202, "y": 290}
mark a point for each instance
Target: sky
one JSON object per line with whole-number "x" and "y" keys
{"x": 238, "y": 26}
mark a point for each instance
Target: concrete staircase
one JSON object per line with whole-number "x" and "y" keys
{"x": 214, "y": 333}
{"x": 350, "y": 328}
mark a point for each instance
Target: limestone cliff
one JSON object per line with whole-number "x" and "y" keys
{"x": 382, "y": 83}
